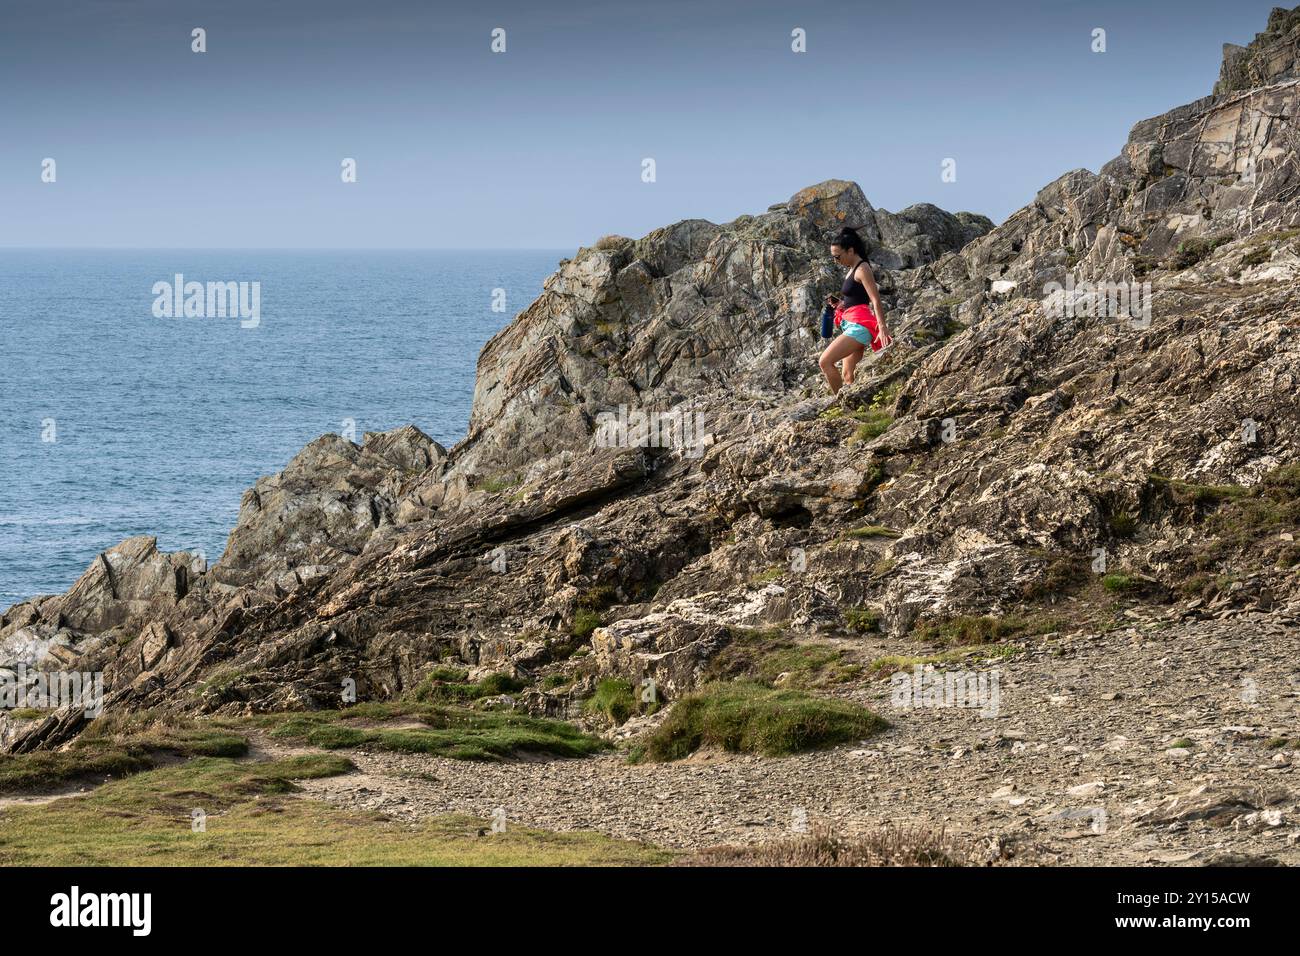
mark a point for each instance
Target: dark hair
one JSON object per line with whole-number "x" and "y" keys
{"x": 849, "y": 239}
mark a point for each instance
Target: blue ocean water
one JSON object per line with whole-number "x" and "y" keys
{"x": 160, "y": 424}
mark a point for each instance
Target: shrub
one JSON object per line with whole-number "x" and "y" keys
{"x": 862, "y": 619}
{"x": 1192, "y": 251}
{"x": 1257, "y": 256}
{"x": 584, "y": 622}
{"x": 1123, "y": 525}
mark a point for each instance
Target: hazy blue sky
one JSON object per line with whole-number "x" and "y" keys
{"x": 542, "y": 146}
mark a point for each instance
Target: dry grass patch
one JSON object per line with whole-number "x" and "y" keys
{"x": 889, "y": 846}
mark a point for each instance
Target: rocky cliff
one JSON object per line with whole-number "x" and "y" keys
{"x": 1096, "y": 398}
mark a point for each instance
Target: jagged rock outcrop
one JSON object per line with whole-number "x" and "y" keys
{"x": 1272, "y": 56}
{"x": 1217, "y": 169}
{"x": 126, "y": 584}
{"x": 1015, "y": 436}
{"x": 322, "y": 509}
{"x": 664, "y": 321}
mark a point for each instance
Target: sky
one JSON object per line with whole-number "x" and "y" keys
{"x": 543, "y": 145}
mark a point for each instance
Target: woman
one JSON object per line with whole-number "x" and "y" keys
{"x": 858, "y": 313}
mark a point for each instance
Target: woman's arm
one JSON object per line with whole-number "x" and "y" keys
{"x": 868, "y": 280}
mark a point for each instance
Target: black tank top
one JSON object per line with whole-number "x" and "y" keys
{"x": 854, "y": 292}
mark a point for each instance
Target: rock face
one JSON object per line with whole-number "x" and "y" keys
{"x": 128, "y": 583}
{"x": 652, "y": 460}
{"x": 322, "y": 509}
{"x": 1271, "y": 58}
{"x": 663, "y": 322}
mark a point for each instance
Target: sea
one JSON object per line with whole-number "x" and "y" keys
{"x": 134, "y": 401}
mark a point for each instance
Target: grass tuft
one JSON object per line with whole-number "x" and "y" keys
{"x": 615, "y": 698}
{"x": 117, "y": 745}
{"x": 749, "y": 718}
{"x": 890, "y": 846}
{"x": 769, "y": 656}
{"x": 969, "y": 629}
{"x": 449, "y": 684}
{"x": 255, "y": 818}
{"x": 459, "y": 733}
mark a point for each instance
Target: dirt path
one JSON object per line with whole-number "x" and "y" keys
{"x": 1149, "y": 745}
{"x": 38, "y": 799}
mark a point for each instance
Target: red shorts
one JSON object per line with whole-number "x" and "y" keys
{"x": 863, "y": 316}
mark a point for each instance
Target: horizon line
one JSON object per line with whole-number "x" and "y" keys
{"x": 16, "y": 248}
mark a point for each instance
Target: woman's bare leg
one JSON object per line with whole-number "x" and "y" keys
{"x": 850, "y": 364}
{"x": 841, "y": 348}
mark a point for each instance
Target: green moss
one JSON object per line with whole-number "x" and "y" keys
{"x": 1278, "y": 235}
{"x": 219, "y": 681}
{"x": 1233, "y": 520}
{"x": 874, "y": 531}
{"x": 1205, "y": 586}
{"x": 496, "y": 483}
{"x": 334, "y": 736}
{"x": 28, "y": 713}
{"x": 1061, "y": 574}
{"x": 749, "y": 718}
{"x": 1198, "y": 494}
{"x": 1144, "y": 265}
{"x": 875, "y": 476}
{"x": 883, "y": 567}
{"x": 1118, "y": 583}
{"x": 598, "y": 598}
{"x": 448, "y": 675}
{"x": 773, "y": 573}
{"x": 874, "y": 419}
